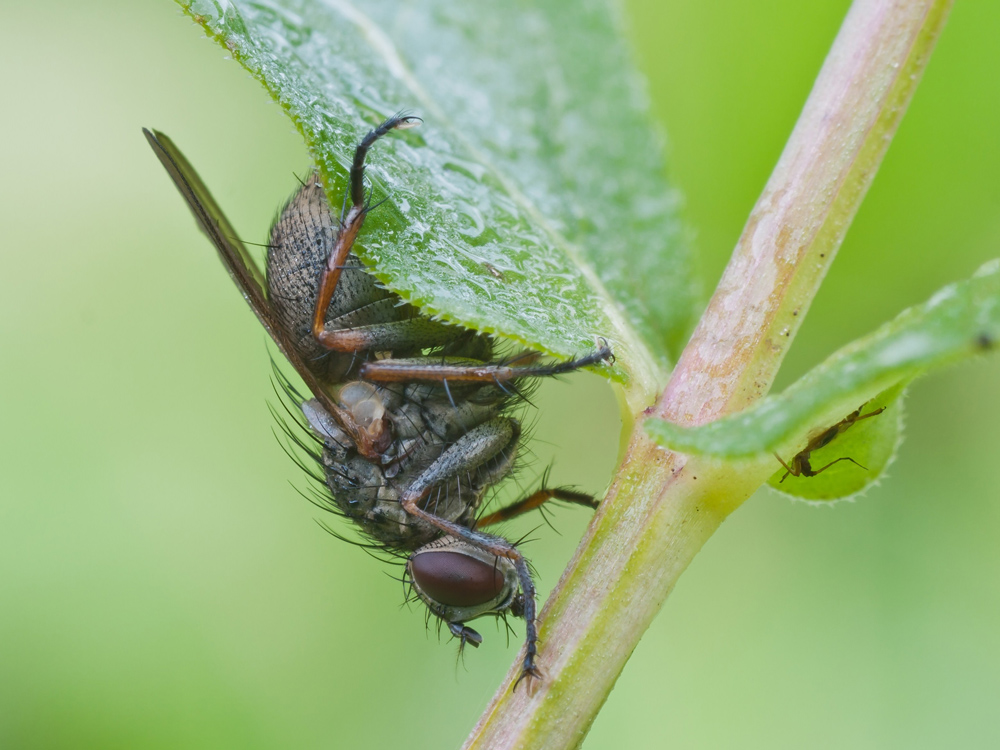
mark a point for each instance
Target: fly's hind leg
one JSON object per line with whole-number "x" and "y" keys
{"x": 351, "y": 221}
{"x": 473, "y": 450}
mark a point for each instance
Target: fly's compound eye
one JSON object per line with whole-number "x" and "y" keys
{"x": 459, "y": 582}
{"x": 456, "y": 580}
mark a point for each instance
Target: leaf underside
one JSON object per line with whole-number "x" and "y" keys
{"x": 961, "y": 321}
{"x": 532, "y": 201}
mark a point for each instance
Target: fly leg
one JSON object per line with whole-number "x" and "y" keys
{"x": 536, "y": 500}
{"x": 385, "y": 336}
{"x": 473, "y": 451}
{"x": 429, "y": 370}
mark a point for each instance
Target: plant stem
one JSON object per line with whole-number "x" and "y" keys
{"x": 663, "y": 506}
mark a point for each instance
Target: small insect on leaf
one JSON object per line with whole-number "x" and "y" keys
{"x": 800, "y": 465}
{"x": 847, "y": 456}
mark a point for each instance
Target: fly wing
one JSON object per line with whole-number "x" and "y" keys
{"x": 240, "y": 264}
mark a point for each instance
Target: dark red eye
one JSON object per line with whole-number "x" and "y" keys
{"x": 455, "y": 579}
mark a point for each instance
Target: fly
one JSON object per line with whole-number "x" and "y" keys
{"x": 409, "y": 415}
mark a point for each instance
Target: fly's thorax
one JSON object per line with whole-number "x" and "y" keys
{"x": 460, "y": 582}
{"x": 449, "y": 421}
{"x": 450, "y": 413}
{"x": 369, "y": 492}
{"x": 354, "y": 481}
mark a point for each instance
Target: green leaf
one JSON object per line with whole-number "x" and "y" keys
{"x": 958, "y": 322}
{"x": 531, "y": 203}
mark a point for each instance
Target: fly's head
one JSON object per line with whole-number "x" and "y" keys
{"x": 460, "y": 582}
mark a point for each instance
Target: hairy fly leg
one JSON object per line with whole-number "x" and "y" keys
{"x": 436, "y": 370}
{"x": 471, "y": 451}
{"x": 536, "y": 500}
{"x": 385, "y": 334}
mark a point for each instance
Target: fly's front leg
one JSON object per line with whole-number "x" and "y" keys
{"x": 474, "y": 450}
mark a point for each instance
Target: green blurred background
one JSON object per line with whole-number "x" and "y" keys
{"x": 162, "y": 585}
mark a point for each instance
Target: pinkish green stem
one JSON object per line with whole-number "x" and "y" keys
{"x": 663, "y": 506}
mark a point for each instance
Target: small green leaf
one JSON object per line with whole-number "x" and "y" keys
{"x": 958, "y": 322}
{"x": 532, "y": 202}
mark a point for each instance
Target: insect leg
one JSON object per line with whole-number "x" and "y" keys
{"x": 350, "y": 225}
{"x": 534, "y": 501}
{"x": 844, "y": 458}
{"x": 395, "y": 371}
{"x": 413, "y": 333}
{"x": 788, "y": 469}
{"x": 471, "y": 451}
{"x": 869, "y": 414}
{"x": 396, "y": 122}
